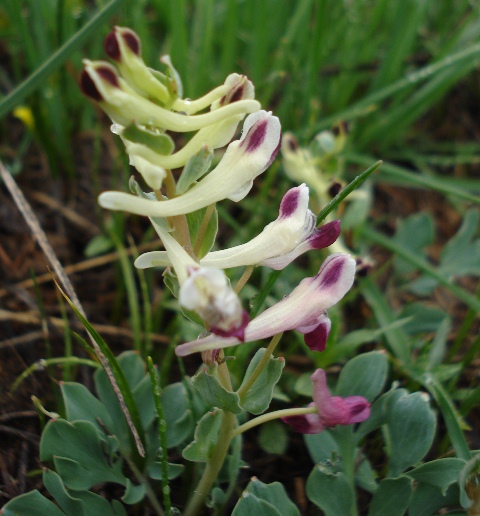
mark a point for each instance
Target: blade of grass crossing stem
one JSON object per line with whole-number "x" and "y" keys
{"x": 396, "y": 338}
{"x": 119, "y": 377}
{"x": 162, "y": 428}
{"x": 372, "y": 100}
{"x": 452, "y": 419}
{"x": 132, "y": 294}
{"x": 37, "y": 78}
{"x": 376, "y": 237}
{"x": 397, "y": 175}
{"x": 347, "y": 191}
{"x": 147, "y": 304}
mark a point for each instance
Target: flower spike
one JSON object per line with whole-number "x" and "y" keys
{"x": 303, "y": 310}
{"x": 233, "y": 177}
{"x": 332, "y": 410}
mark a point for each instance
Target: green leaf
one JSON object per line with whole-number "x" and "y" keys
{"x": 250, "y": 504}
{"x": 322, "y": 447}
{"x": 413, "y": 233}
{"x": 274, "y": 494}
{"x": 257, "y": 399}
{"x": 81, "y": 404}
{"x": 83, "y": 462}
{"x": 330, "y": 491}
{"x": 174, "y": 470}
{"x": 378, "y": 413}
{"x": 214, "y": 394}
{"x": 195, "y": 168}
{"x": 31, "y": 503}
{"x": 98, "y": 506}
{"x": 99, "y": 244}
{"x": 205, "y": 438}
{"x": 273, "y": 438}
{"x": 365, "y": 476}
{"x": 178, "y": 415}
{"x": 160, "y": 143}
{"x": 421, "y": 318}
{"x": 71, "y": 505}
{"x": 461, "y": 255}
{"x": 353, "y": 340}
{"x": 133, "y": 493}
{"x": 427, "y": 500}
{"x": 392, "y": 497}
{"x": 440, "y": 473}
{"x": 195, "y": 220}
{"x": 411, "y": 426}
{"x": 364, "y": 375}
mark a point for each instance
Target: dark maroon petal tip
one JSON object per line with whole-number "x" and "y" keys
{"x": 292, "y": 143}
{"x": 88, "y": 88}
{"x": 316, "y": 340}
{"x": 304, "y": 424}
{"x": 108, "y": 74}
{"x": 334, "y": 188}
{"x": 132, "y": 41}
{"x": 238, "y": 332}
{"x": 325, "y": 235}
{"x": 111, "y": 47}
{"x": 289, "y": 202}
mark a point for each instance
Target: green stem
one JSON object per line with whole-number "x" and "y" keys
{"x": 213, "y": 465}
{"x": 179, "y": 222}
{"x": 243, "y": 279}
{"x": 260, "y": 366}
{"x": 271, "y": 416}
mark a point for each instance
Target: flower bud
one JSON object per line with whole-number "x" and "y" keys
{"x": 124, "y": 47}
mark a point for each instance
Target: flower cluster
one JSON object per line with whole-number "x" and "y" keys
{"x": 145, "y": 106}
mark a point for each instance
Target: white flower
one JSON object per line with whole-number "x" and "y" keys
{"x": 232, "y": 178}
{"x": 281, "y": 241}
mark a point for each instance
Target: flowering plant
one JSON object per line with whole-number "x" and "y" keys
{"x": 126, "y": 434}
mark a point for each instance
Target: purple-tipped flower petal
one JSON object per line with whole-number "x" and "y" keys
{"x": 280, "y": 242}
{"x": 232, "y": 178}
{"x": 303, "y": 309}
{"x": 332, "y": 410}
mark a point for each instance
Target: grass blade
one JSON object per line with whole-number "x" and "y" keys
{"x": 37, "y": 78}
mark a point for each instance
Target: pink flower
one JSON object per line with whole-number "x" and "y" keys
{"x": 332, "y": 410}
{"x": 303, "y": 310}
